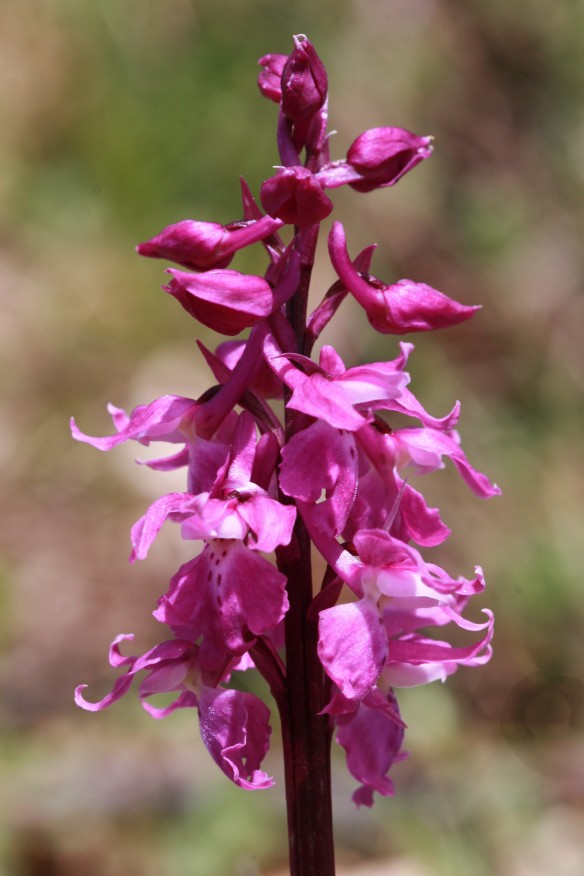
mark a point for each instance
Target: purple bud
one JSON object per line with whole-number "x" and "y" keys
{"x": 270, "y": 79}
{"x": 295, "y": 196}
{"x": 205, "y": 245}
{"x": 382, "y": 155}
{"x": 225, "y": 301}
{"x": 304, "y": 81}
{"x": 192, "y": 244}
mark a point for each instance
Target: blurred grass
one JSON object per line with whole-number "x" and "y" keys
{"x": 120, "y": 117}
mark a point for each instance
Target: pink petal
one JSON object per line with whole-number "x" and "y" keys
{"x": 155, "y": 659}
{"x": 145, "y": 530}
{"x": 228, "y": 595}
{"x": 161, "y": 420}
{"x": 372, "y": 742}
{"x": 426, "y": 447}
{"x": 270, "y": 522}
{"x": 423, "y": 524}
{"x": 322, "y": 458}
{"x": 352, "y": 646}
{"x": 236, "y": 731}
{"x": 195, "y": 245}
{"x": 270, "y": 78}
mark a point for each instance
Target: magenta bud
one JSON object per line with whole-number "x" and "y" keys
{"x": 226, "y": 301}
{"x": 304, "y": 81}
{"x": 206, "y": 245}
{"x": 192, "y": 244}
{"x": 381, "y": 156}
{"x": 270, "y": 78}
{"x": 295, "y": 196}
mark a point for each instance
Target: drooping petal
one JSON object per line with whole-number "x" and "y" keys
{"x": 406, "y": 403}
{"x": 352, "y": 646}
{"x": 236, "y": 731}
{"x": 372, "y": 741}
{"x": 167, "y": 463}
{"x": 385, "y": 501}
{"x": 417, "y": 660}
{"x": 423, "y": 524}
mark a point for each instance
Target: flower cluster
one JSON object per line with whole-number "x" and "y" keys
{"x": 332, "y": 466}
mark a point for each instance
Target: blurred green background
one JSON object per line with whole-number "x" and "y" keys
{"x": 121, "y": 116}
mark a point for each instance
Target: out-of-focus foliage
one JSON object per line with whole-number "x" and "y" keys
{"x": 120, "y": 116}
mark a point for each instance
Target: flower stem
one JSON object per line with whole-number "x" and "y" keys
{"x": 306, "y": 734}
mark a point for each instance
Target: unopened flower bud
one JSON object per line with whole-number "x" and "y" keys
{"x": 295, "y": 196}
{"x": 192, "y": 244}
{"x": 205, "y": 245}
{"x": 304, "y": 81}
{"x": 382, "y": 155}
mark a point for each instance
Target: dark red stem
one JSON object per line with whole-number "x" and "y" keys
{"x": 306, "y": 735}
